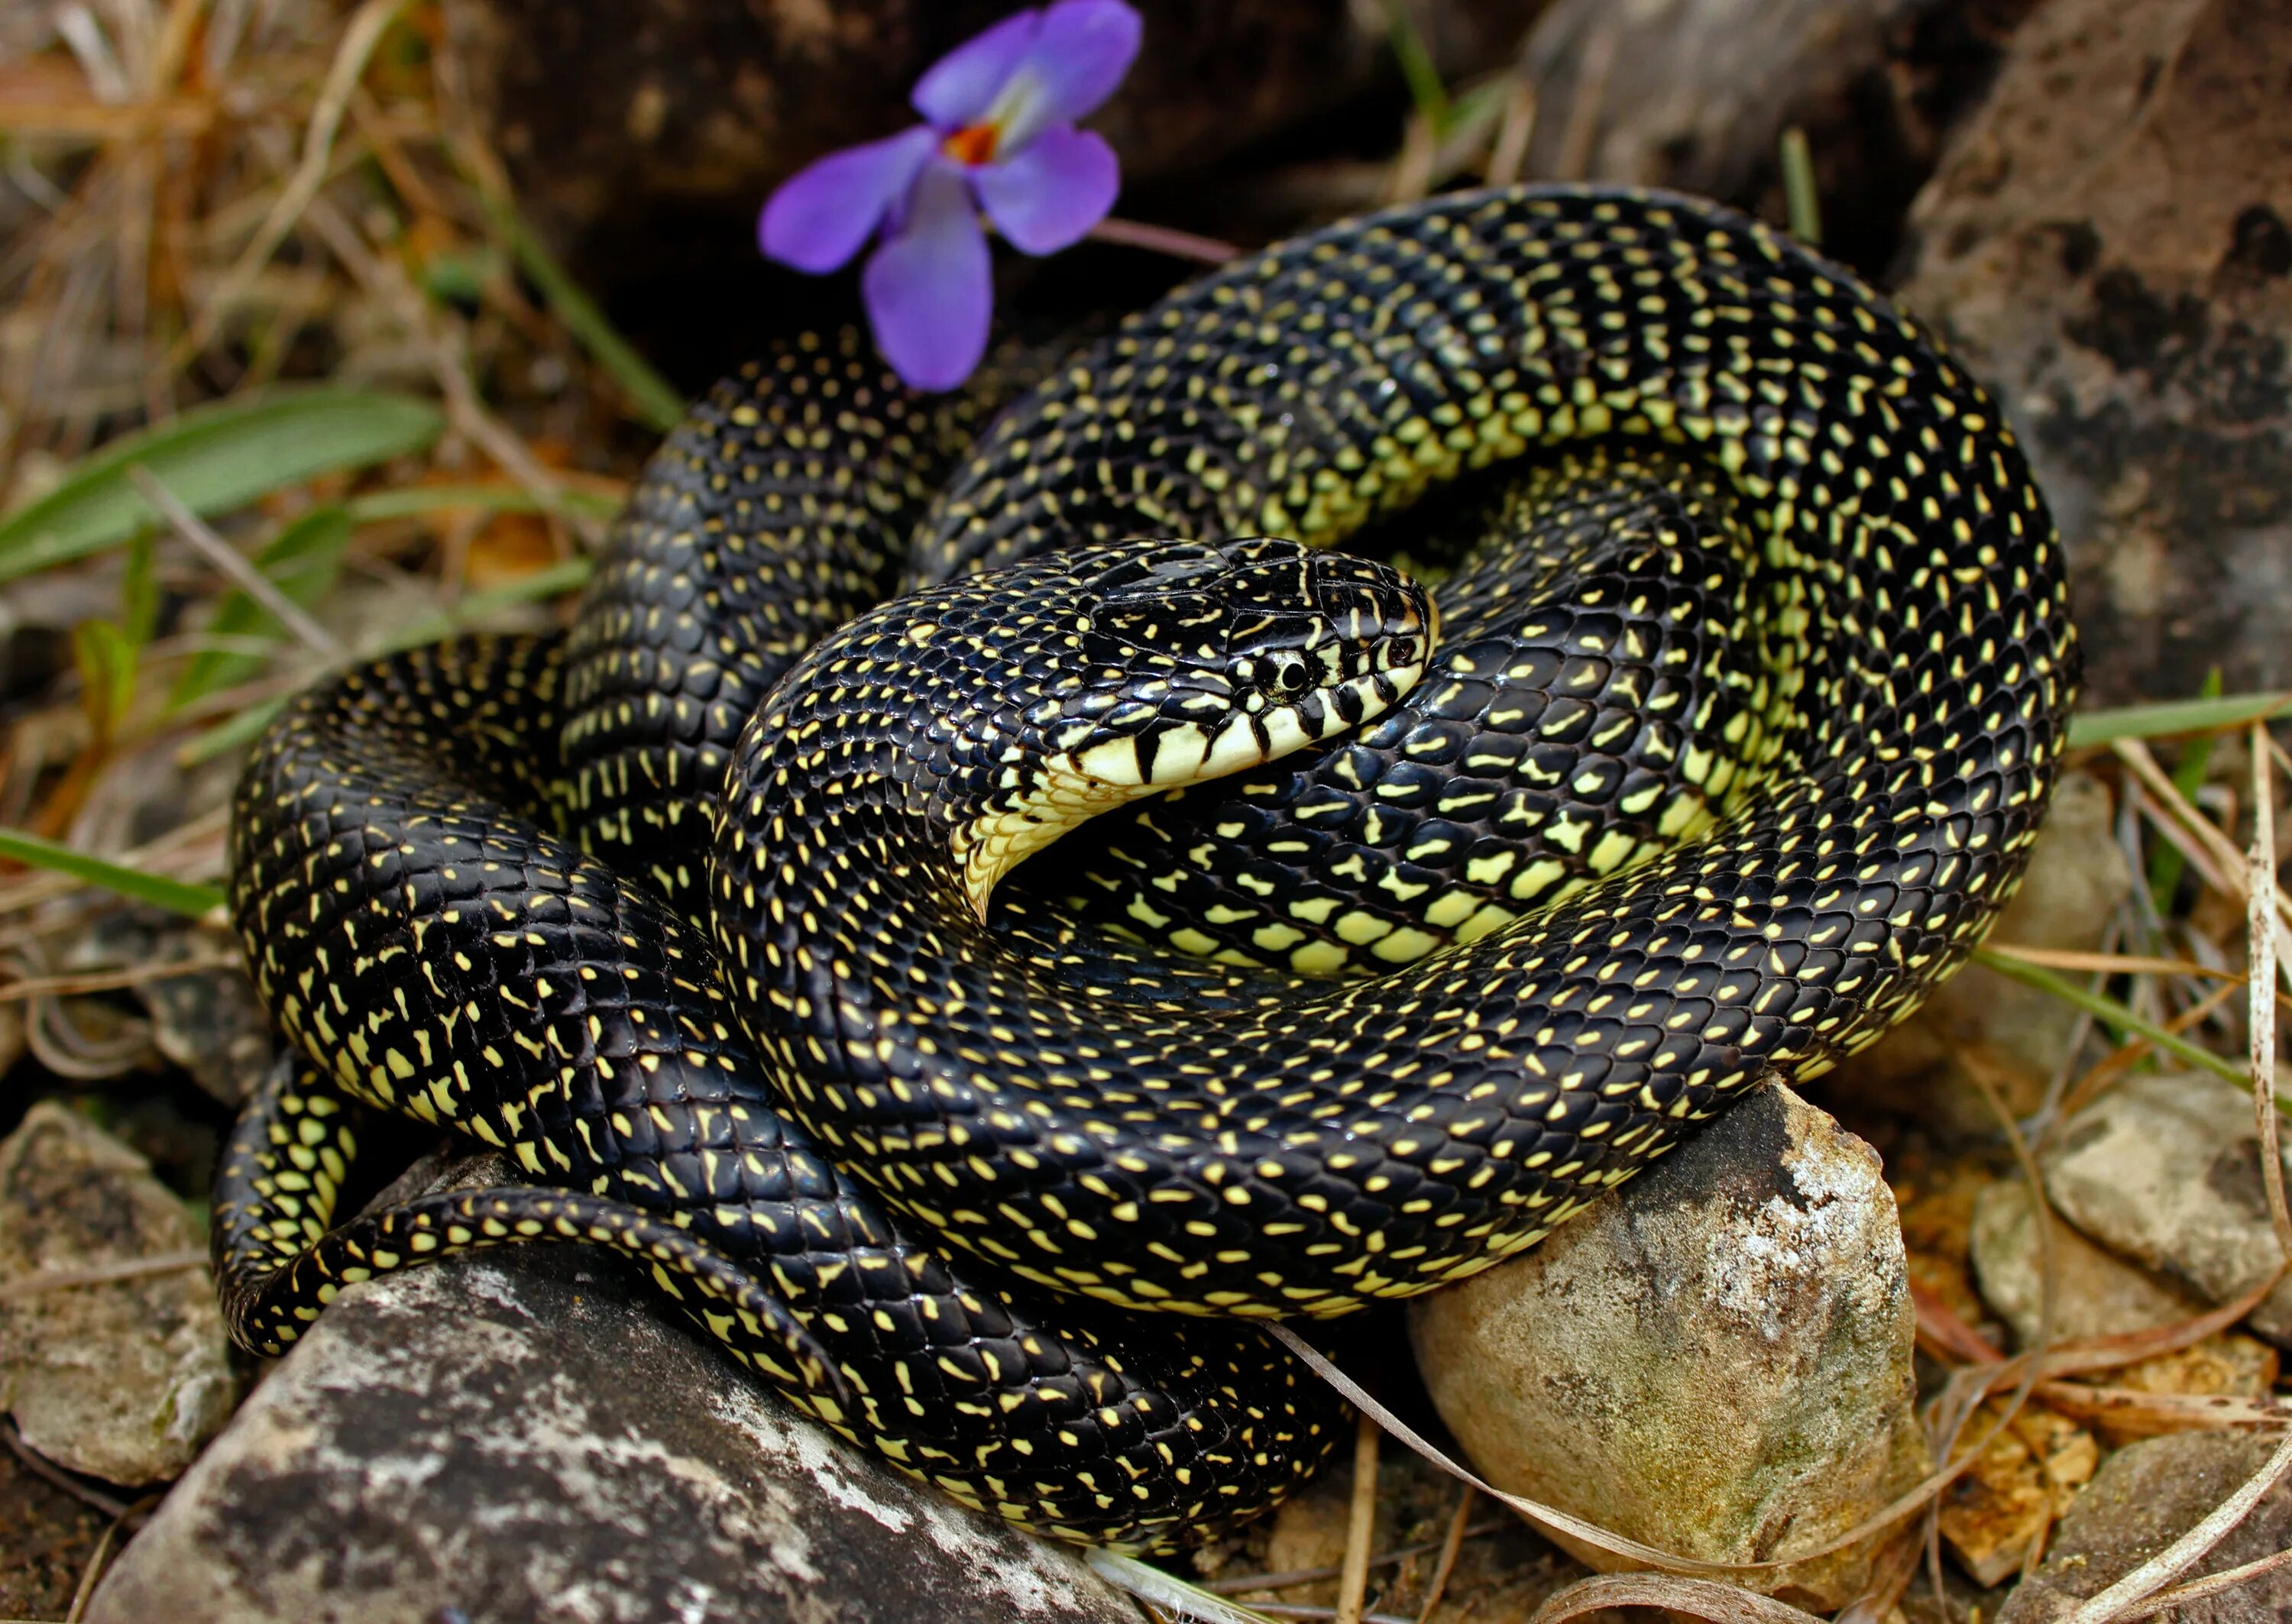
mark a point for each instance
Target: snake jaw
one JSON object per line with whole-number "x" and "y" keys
{"x": 1077, "y": 785}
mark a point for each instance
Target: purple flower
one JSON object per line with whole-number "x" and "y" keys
{"x": 1000, "y": 137}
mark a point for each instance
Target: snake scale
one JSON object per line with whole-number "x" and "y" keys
{"x": 1706, "y": 773}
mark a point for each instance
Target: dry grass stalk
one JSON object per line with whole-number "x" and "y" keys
{"x": 1360, "y": 1525}
{"x": 1449, "y": 1546}
{"x": 2121, "y": 1598}
{"x": 226, "y": 557}
{"x": 2260, "y": 947}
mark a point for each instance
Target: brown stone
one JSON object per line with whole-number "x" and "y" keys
{"x": 2143, "y": 1498}
{"x": 2110, "y": 244}
{"x": 123, "y": 1379}
{"x": 1716, "y": 1360}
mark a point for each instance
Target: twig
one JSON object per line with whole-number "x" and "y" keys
{"x": 229, "y": 559}
{"x": 2131, "y": 1409}
{"x": 1449, "y": 1546}
{"x": 2117, "y": 1060}
{"x": 1510, "y": 154}
{"x": 2212, "y": 1584}
{"x": 2115, "y": 1013}
{"x": 1591, "y": 1533}
{"x": 2233, "y": 872}
{"x": 2260, "y": 934}
{"x": 1236, "y": 1583}
{"x": 365, "y": 32}
{"x": 107, "y": 981}
{"x": 469, "y": 415}
{"x": 1719, "y": 1604}
{"x": 49, "y": 1472}
{"x": 1361, "y": 1528}
{"x": 2122, "y": 964}
{"x": 2184, "y": 1552}
{"x": 101, "y": 1274}
{"x": 1589, "y": 102}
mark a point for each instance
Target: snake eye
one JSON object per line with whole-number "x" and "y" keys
{"x": 1286, "y": 673}
{"x": 1401, "y": 651}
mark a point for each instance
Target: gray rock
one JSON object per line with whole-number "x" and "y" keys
{"x": 528, "y": 1436}
{"x": 2166, "y": 1169}
{"x": 2115, "y": 259}
{"x": 1716, "y": 1359}
{"x": 123, "y": 1379}
{"x": 2017, "y": 1036}
{"x": 2095, "y": 1293}
{"x": 2148, "y": 1495}
{"x": 1695, "y": 95}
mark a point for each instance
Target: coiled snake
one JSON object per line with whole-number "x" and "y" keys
{"x": 1719, "y": 764}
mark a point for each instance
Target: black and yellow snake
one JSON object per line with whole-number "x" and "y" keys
{"x": 1721, "y": 762}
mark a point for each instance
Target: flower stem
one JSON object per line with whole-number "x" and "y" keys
{"x": 1162, "y": 239}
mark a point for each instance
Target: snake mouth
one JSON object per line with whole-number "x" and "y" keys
{"x": 1189, "y": 755}
{"x": 1076, "y": 785}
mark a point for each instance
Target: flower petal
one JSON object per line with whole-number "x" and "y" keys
{"x": 928, "y": 288}
{"x": 1080, "y": 55}
{"x": 820, "y": 215}
{"x": 1057, "y": 188}
{"x": 958, "y": 88}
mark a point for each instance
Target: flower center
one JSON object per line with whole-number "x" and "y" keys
{"x": 973, "y": 144}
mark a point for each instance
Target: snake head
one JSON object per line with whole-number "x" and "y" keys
{"x": 1184, "y": 660}
{"x": 1211, "y": 659}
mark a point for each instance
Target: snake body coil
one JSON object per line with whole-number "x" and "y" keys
{"x": 1712, "y": 776}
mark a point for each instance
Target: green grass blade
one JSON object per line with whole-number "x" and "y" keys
{"x": 176, "y": 896}
{"x": 2171, "y": 717}
{"x": 1416, "y": 68}
{"x": 217, "y": 458}
{"x": 656, "y": 401}
{"x": 107, "y": 659}
{"x": 227, "y": 735}
{"x": 566, "y": 576}
{"x": 411, "y": 501}
{"x": 1801, "y": 196}
{"x": 139, "y": 592}
{"x": 304, "y": 561}
{"x": 2117, "y": 1015}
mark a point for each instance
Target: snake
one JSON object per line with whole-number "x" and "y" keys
{"x": 1388, "y": 927}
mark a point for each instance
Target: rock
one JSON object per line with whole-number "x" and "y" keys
{"x": 516, "y": 1435}
{"x": 123, "y": 1379}
{"x": 1715, "y": 1361}
{"x": 2147, "y": 1496}
{"x": 2025, "y": 1479}
{"x": 2095, "y": 1293}
{"x": 2016, "y": 1035}
{"x": 2115, "y": 257}
{"x": 1695, "y": 95}
{"x": 2166, "y": 1169}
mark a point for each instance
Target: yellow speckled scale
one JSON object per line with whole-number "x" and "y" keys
{"x": 1710, "y": 777}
